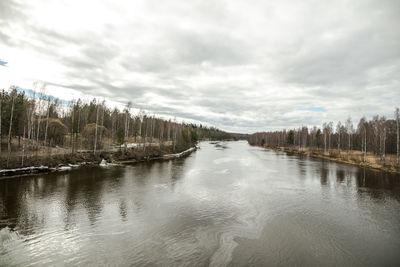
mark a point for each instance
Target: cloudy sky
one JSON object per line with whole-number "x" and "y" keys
{"x": 242, "y": 66}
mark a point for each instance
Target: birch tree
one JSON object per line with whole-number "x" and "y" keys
{"x": 47, "y": 120}
{"x": 72, "y": 126}
{"x": 174, "y": 132}
{"x": 325, "y": 130}
{"x": 95, "y": 132}
{"x": 1, "y": 112}
{"x": 79, "y": 122}
{"x": 349, "y": 130}
{"x": 397, "y": 118}
{"x": 362, "y": 129}
{"x": 127, "y": 114}
{"x": 382, "y": 138}
{"x": 40, "y": 115}
{"x": 329, "y": 128}
{"x": 338, "y": 131}
{"x": 13, "y": 94}
{"x": 102, "y": 119}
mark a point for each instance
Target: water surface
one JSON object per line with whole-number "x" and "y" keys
{"x": 232, "y": 205}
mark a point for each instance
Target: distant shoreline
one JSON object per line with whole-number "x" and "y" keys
{"x": 352, "y": 158}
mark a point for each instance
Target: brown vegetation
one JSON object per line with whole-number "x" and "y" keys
{"x": 354, "y": 157}
{"x": 375, "y": 143}
{"x": 42, "y": 130}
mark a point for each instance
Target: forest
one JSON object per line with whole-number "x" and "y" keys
{"x": 374, "y": 142}
{"x": 35, "y": 125}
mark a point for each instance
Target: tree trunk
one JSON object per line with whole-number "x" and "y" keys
{"x": 78, "y": 128}
{"x": 174, "y": 136}
{"x": 10, "y": 128}
{"x": 151, "y": 130}
{"x": 169, "y": 131}
{"x": 365, "y": 143}
{"x": 161, "y": 141}
{"x": 47, "y": 122}
{"x": 23, "y": 150}
{"x": 398, "y": 141}
{"x": 140, "y": 128}
{"x": 398, "y": 134}
{"x": 384, "y": 145}
{"x": 72, "y": 129}
{"x": 349, "y": 142}
{"x": 102, "y": 121}
{"x": 126, "y": 130}
{"x": 1, "y": 112}
{"x": 128, "y": 127}
{"x": 95, "y": 132}
{"x": 329, "y": 142}
{"x": 38, "y": 128}
{"x": 113, "y": 123}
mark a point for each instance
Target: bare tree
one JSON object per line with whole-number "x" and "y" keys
{"x": 72, "y": 125}
{"x": 127, "y": 114}
{"x": 349, "y": 130}
{"x": 362, "y": 127}
{"x": 95, "y": 132}
{"x": 397, "y": 118}
{"x": 1, "y": 111}
{"x": 384, "y": 144}
{"x": 329, "y": 128}
{"x": 325, "y": 131}
{"x": 42, "y": 92}
{"x": 13, "y": 93}
{"x": 31, "y": 120}
{"x": 174, "y": 130}
{"x": 151, "y": 129}
{"x": 338, "y": 131}
{"x": 161, "y": 138}
{"x": 47, "y": 120}
{"x": 114, "y": 124}
{"x": 23, "y": 149}
{"x": 169, "y": 130}
{"x": 102, "y": 118}
{"x": 381, "y": 131}
{"x": 78, "y": 126}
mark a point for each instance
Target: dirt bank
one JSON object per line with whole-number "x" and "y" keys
{"x": 40, "y": 164}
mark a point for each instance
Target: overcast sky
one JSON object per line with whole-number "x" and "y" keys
{"x": 242, "y": 66}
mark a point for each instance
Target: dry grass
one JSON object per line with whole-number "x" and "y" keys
{"x": 55, "y": 155}
{"x": 354, "y": 157}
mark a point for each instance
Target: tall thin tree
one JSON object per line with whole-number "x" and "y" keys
{"x": 11, "y": 123}
{"x": 47, "y": 121}
{"x": 127, "y": 114}
{"x": 1, "y": 111}
{"x": 95, "y": 131}
{"x": 23, "y": 149}
{"x": 397, "y": 118}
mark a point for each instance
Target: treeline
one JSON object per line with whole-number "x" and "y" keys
{"x": 41, "y": 124}
{"x": 378, "y": 136}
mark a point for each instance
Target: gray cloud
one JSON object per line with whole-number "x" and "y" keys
{"x": 237, "y": 65}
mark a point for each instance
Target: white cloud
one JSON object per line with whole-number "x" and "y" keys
{"x": 239, "y": 65}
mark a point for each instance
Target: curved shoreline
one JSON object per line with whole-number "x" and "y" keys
{"x": 296, "y": 151}
{"x": 109, "y": 156}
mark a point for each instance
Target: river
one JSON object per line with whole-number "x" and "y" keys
{"x": 224, "y": 205}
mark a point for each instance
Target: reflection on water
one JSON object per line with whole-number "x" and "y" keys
{"x": 226, "y": 204}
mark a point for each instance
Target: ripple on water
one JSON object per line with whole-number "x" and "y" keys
{"x": 224, "y": 171}
{"x": 223, "y": 160}
{"x": 242, "y": 206}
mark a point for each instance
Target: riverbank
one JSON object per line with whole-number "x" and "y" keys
{"x": 353, "y": 157}
{"x": 64, "y": 162}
